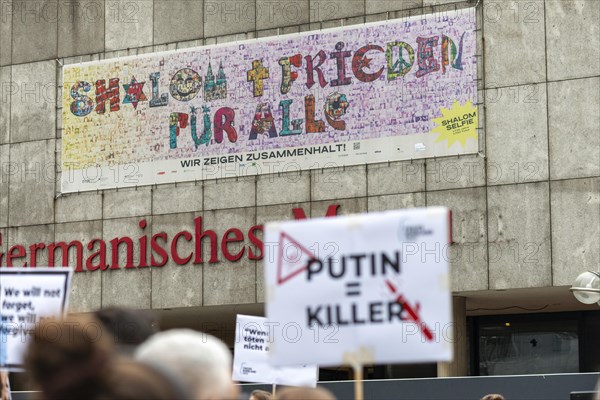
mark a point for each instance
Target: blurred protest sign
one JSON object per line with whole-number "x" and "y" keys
{"x": 28, "y": 295}
{"x": 251, "y": 359}
{"x": 362, "y": 289}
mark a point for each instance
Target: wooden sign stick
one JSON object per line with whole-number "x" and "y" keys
{"x": 358, "y": 381}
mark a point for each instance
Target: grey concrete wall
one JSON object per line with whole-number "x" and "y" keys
{"x": 526, "y": 213}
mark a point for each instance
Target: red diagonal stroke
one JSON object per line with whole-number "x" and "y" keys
{"x": 414, "y": 316}
{"x": 280, "y": 279}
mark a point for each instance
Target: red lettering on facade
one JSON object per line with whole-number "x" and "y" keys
{"x": 238, "y": 237}
{"x": 178, "y": 260}
{"x": 52, "y": 247}
{"x": 332, "y": 211}
{"x": 232, "y": 245}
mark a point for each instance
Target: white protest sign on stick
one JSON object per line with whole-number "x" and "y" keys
{"x": 251, "y": 358}
{"x": 361, "y": 289}
{"x": 28, "y": 295}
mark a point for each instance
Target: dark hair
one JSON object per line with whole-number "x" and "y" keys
{"x": 63, "y": 357}
{"x": 127, "y": 326}
{"x": 261, "y": 395}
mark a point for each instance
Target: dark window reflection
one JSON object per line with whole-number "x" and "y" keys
{"x": 518, "y": 346}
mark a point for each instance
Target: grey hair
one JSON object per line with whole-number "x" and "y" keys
{"x": 201, "y": 361}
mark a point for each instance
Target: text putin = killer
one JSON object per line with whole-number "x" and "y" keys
{"x": 355, "y": 267}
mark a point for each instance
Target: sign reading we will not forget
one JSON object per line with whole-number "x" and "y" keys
{"x": 251, "y": 359}
{"x": 370, "y": 288}
{"x": 27, "y": 296}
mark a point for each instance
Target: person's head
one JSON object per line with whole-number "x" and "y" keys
{"x": 299, "y": 393}
{"x": 133, "y": 380}
{"x": 260, "y": 395}
{"x": 73, "y": 359}
{"x": 69, "y": 356}
{"x": 202, "y": 361}
{"x": 128, "y": 327}
{"x": 493, "y": 396}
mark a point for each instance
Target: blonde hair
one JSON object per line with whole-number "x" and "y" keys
{"x": 260, "y": 395}
{"x": 304, "y": 394}
{"x": 493, "y": 396}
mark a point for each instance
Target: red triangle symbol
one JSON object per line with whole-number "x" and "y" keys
{"x": 292, "y": 258}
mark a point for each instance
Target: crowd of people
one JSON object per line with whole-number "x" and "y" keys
{"x": 119, "y": 354}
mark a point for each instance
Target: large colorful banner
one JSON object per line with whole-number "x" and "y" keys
{"x": 371, "y": 93}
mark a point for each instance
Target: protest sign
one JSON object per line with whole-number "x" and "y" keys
{"x": 27, "y": 296}
{"x": 370, "y": 288}
{"x": 251, "y": 360}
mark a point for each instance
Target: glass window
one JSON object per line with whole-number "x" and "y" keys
{"x": 515, "y": 345}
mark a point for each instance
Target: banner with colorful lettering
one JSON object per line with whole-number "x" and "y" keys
{"x": 379, "y": 92}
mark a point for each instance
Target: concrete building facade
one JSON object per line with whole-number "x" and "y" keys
{"x": 526, "y": 209}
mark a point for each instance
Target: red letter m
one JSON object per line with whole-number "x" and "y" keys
{"x": 331, "y": 212}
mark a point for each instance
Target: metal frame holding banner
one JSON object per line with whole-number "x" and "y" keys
{"x": 385, "y": 91}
